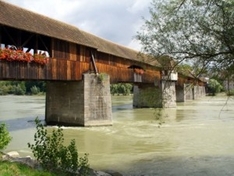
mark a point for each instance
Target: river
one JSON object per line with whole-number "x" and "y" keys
{"x": 196, "y": 138}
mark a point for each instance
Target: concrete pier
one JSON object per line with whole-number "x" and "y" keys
{"x": 147, "y": 96}
{"x": 150, "y": 96}
{"x": 199, "y": 91}
{"x": 168, "y": 94}
{"x": 189, "y": 92}
{"x": 80, "y": 103}
{"x": 184, "y": 92}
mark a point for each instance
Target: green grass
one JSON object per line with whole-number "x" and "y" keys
{"x": 17, "y": 169}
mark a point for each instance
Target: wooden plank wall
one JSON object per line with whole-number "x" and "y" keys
{"x": 69, "y": 61}
{"x": 63, "y": 69}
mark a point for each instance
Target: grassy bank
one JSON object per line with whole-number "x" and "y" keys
{"x": 8, "y": 168}
{"x": 11, "y": 168}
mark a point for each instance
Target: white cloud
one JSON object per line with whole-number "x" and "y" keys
{"x": 117, "y": 21}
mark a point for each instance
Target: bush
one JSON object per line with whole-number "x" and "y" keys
{"x": 4, "y": 136}
{"x": 53, "y": 155}
{"x": 18, "y": 90}
{"x": 35, "y": 90}
{"x": 3, "y": 90}
{"x": 123, "y": 89}
{"x": 214, "y": 87}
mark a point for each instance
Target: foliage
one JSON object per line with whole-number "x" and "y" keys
{"x": 184, "y": 68}
{"x": 35, "y": 90}
{"x": 52, "y": 154}
{"x": 4, "y": 90}
{"x": 121, "y": 89}
{"x": 198, "y": 31}
{"x": 17, "y": 169}
{"x": 39, "y": 84}
{"x": 4, "y": 136}
{"x": 19, "y": 89}
{"x": 22, "y": 87}
{"x": 214, "y": 87}
{"x": 102, "y": 77}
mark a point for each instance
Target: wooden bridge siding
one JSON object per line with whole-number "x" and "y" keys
{"x": 55, "y": 69}
{"x": 188, "y": 80}
{"x": 150, "y": 75}
{"x": 118, "y": 69}
{"x": 115, "y": 67}
{"x": 62, "y": 69}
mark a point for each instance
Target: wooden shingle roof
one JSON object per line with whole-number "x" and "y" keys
{"x": 17, "y": 17}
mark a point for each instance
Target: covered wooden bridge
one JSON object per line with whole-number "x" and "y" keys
{"x": 69, "y": 50}
{"x": 73, "y": 62}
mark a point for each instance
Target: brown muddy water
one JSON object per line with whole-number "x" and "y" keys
{"x": 196, "y": 138}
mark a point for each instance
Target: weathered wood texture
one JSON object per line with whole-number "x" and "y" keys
{"x": 182, "y": 79}
{"x": 62, "y": 69}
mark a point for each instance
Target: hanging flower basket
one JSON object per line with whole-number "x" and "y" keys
{"x": 21, "y": 56}
{"x": 40, "y": 59}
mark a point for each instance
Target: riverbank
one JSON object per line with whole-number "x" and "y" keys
{"x": 9, "y": 168}
{"x": 12, "y": 163}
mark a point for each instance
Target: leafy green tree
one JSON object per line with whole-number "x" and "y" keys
{"x": 123, "y": 89}
{"x": 22, "y": 87}
{"x": 35, "y": 90}
{"x": 4, "y": 90}
{"x": 19, "y": 89}
{"x": 4, "y": 136}
{"x": 214, "y": 87}
{"x": 198, "y": 31}
{"x": 51, "y": 153}
{"x": 39, "y": 84}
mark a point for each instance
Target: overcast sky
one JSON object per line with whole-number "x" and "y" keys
{"x": 114, "y": 20}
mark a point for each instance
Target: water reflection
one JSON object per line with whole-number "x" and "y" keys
{"x": 196, "y": 138}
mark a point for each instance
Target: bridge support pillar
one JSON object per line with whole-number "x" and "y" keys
{"x": 147, "y": 96}
{"x": 150, "y": 96}
{"x": 80, "y": 103}
{"x": 168, "y": 94}
{"x": 184, "y": 92}
{"x": 180, "y": 93}
{"x": 199, "y": 91}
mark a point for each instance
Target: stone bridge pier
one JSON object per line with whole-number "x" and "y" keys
{"x": 79, "y": 103}
{"x": 155, "y": 96}
{"x": 189, "y": 92}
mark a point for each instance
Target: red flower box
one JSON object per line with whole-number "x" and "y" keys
{"x": 21, "y": 56}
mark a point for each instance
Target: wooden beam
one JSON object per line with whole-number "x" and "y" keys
{"x": 94, "y": 64}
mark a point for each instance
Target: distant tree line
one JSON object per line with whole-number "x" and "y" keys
{"x": 22, "y": 87}
{"x": 121, "y": 89}
{"x": 39, "y": 87}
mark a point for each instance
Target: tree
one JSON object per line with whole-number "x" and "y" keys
{"x": 51, "y": 153}
{"x": 200, "y": 32}
{"x": 5, "y": 137}
{"x": 214, "y": 87}
{"x": 123, "y": 89}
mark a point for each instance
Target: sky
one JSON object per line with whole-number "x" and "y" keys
{"x": 114, "y": 20}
